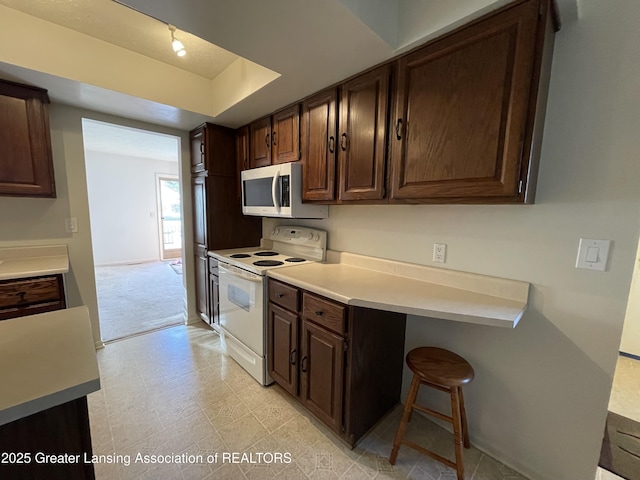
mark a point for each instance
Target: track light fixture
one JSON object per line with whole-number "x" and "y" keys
{"x": 177, "y": 45}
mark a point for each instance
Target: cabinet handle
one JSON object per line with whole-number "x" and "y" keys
{"x": 343, "y": 142}
{"x": 202, "y": 148}
{"x": 398, "y": 128}
{"x": 266, "y": 140}
{"x": 319, "y": 312}
{"x": 332, "y": 144}
{"x": 273, "y": 138}
{"x": 292, "y": 357}
{"x": 303, "y": 366}
{"x": 21, "y": 295}
{"x": 279, "y": 295}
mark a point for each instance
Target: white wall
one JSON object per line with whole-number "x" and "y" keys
{"x": 539, "y": 399}
{"x": 36, "y": 221}
{"x": 631, "y": 331}
{"x": 123, "y": 206}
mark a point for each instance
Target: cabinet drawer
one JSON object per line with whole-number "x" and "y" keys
{"x": 324, "y": 312}
{"x": 284, "y": 295}
{"x": 17, "y": 293}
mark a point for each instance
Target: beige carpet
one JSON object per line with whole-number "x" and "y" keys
{"x": 137, "y": 298}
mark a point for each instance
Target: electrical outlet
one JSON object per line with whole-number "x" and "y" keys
{"x": 440, "y": 252}
{"x": 71, "y": 225}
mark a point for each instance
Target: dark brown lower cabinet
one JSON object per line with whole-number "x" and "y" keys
{"x": 343, "y": 363}
{"x": 214, "y": 294}
{"x": 62, "y": 430}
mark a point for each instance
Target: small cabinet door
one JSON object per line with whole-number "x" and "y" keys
{"x": 363, "y": 135}
{"x": 282, "y": 346}
{"x": 322, "y": 372}
{"x": 318, "y": 133}
{"x": 260, "y": 143}
{"x": 198, "y": 151}
{"x": 26, "y": 161}
{"x": 199, "y": 196}
{"x": 285, "y": 137}
{"x": 202, "y": 283}
{"x": 461, "y": 111}
{"x": 242, "y": 155}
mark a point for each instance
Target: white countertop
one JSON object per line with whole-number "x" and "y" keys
{"x": 413, "y": 289}
{"x": 45, "y": 360}
{"x": 23, "y": 262}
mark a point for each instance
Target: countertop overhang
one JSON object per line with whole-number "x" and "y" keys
{"x": 23, "y": 262}
{"x": 46, "y": 360}
{"x": 412, "y": 289}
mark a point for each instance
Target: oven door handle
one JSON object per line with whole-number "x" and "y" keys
{"x": 239, "y": 274}
{"x": 274, "y": 191}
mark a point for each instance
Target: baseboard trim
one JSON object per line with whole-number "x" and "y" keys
{"x": 629, "y": 355}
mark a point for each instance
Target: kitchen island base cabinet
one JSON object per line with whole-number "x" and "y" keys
{"x": 61, "y": 430}
{"x": 343, "y": 363}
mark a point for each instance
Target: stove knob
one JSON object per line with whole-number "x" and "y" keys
{"x": 275, "y": 231}
{"x": 310, "y": 236}
{"x": 317, "y": 237}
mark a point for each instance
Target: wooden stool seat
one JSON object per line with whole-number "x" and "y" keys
{"x": 439, "y": 366}
{"x": 443, "y": 370}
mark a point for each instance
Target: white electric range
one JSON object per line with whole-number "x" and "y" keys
{"x": 243, "y": 290}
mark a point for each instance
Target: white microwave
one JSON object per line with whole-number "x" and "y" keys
{"x": 276, "y": 191}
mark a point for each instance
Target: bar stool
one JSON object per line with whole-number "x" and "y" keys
{"x": 445, "y": 371}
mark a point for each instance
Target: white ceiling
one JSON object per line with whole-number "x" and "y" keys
{"x": 129, "y": 142}
{"x": 129, "y": 29}
{"x": 312, "y": 44}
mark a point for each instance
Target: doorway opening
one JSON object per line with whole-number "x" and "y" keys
{"x": 135, "y": 209}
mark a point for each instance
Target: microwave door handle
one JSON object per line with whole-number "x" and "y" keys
{"x": 274, "y": 192}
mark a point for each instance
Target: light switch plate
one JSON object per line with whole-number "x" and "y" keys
{"x": 593, "y": 254}
{"x": 71, "y": 225}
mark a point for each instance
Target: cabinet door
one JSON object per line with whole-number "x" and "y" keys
{"x": 260, "y": 143}
{"x": 199, "y": 197}
{"x": 214, "y": 301}
{"x": 322, "y": 372}
{"x": 198, "y": 149}
{"x": 285, "y": 138}
{"x": 26, "y": 162}
{"x": 363, "y": 135}
{"x": 461, "y": 111}
{"x": 242, "y": 155}
{"x": 282, "y": 348}
{"x": 319, "y": 146}
{"x": 202, "y": 282}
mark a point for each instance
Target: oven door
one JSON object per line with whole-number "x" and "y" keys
{"x": 241, "y": 307}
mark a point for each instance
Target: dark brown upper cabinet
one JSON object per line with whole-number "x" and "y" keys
{"x": 26, "y": 163}
{"x": 198, "y": 141}
{"x": 465, "y": 111}
{"x": 363, "y": 136}
{"x": 318, "y": 134}
{"x": 285, "y": 135}
{"x": 260, "y": 143}
{"x": 275, "y": 139}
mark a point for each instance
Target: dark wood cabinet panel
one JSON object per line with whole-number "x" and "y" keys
{"x": 282, "y": 348}
{"x": 26, "y": 163}
{"x": 201, "y": 267}
{"x": 214, "y": 294}
{"x": 344, "y": 364}
{"x": 318, "y": 152}
{"x": 199, "y": 202}
{"x": 260, "y": 143}
{"x": 322, "y": 370}
{"x": 197, "y": 138}
{"x": 63, "y": 429}
{"x": 242, "y": 154}
{"x": 461, "y": 111}
{"x": 28, "y": 296}
{"x": 364, "y": 107}
{"x": 285, "y": 136}
{"x": 218, "y": 222}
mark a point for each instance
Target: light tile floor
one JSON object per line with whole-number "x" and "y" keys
{"x": 174, "y": 391}
{"x": 625, "y": 398}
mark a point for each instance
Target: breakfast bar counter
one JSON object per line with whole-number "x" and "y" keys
{"x": 23, "y": 262}
{"x": 412, "y": 289}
